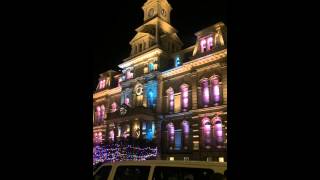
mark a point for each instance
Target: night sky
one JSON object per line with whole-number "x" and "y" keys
{"x": 114, "y": 26}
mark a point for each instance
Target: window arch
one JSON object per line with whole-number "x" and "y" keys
{"x": 184, "y": 97}
{"x": 216, "y": 90}
{"x": 210, "y": 43}
{"x": 170, "y": 94}
{"x": 206, "y": 132}
{"x": 218, "y": 130}
{"x": 204, "y": 85}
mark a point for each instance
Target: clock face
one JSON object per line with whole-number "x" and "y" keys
{"x": 163, "y": 12}
{"x": 151, "y": 12}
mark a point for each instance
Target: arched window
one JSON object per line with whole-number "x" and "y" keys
{"x": 98, "y": 113}
{"x": 102, "y": 84}
{"x": 216, "y": 90}
{"x": 206, "y": 133}
{"x": 210, "y": 43}
{"x": 102, "y": 112}
{"x": 186, "y": 131}
{"x": 114, "y": 107}
{"x": 218, "y": 130}
{"x": 204, "y": 83}
{"x": 203, "y": 45}
{"x": 170, "y": 94}
{"x": 170, "y": 130}
{"x": 185, "y": 97}
{"x": 127, "y": 101}
{"x": 111, "y": 135}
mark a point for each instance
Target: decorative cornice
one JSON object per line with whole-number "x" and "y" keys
{"x": 142, "y": 57}
{"x": 188, "y": 66}
{"x": 107, "y": 92}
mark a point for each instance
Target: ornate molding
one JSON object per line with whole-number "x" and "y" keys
{"x": 107, "y": 92}
{"x": 188, "y": 66}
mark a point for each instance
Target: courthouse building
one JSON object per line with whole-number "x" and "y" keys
{"x": 173, "y": 97}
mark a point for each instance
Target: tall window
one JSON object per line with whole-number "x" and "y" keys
{"x": 127, "y": 101}
{"x": 170, "y": 130}
{"x": 206, "y": 132}
{"x": 205, "y": 92}
{"x": 210, "y": 43}
{"x": 185, "y": 97}
{"x": 218, "y": 130}
{"x": 97, "y": 137}
{"x": 98, "y": 113}
{"x": 111, "y": 135}
{"x": 114, "y": 107}
{"x": 215, "y": 90}
{"x": 186, "y": 131}
{"x": 102, "y": 84}
{"x": 103, "y": 112}
{"x": 151, "y": 67}
{"x": 203, "y": 45}
{"x": 177, "y": 61}
{"x": 170, "y": 94}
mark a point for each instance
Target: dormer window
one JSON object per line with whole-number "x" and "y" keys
{"x": 203, "y": 45}
{"x": 206, "y": 44}
{"x": 177, "y": 61}
{"x": 102, "y": 84}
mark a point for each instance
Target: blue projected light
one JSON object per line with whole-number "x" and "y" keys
{"x": 178, "y": 62}
{"x": 150, "y": 131}
{"x": 151, "y": 66}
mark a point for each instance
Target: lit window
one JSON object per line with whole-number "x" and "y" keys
{"x": 186, "y": 130}
{"x": 203, "y": 45}
{"x": 221, "y": 159}
{"x": 171, "y": 158}
{"x": 103, "y": 112}
{"x": 114, "y": 107}
{"x": 170, "y": 130}
{"x": 102, "y": 84}
{"x": 177, "y": 61}
{"x": 206, "y": 132}
{"x": 184, "y": 97}
{"x": 218, "y": 130}
{"x": 205, "y": 92}
{"x": 145, "y": 70}
{"x": 210, "y": 43}
{"x": 111, "y": 135}
{"x": 215, "y": 90}
{"x": 155, "y": 66}
{"x": 151, "y": 67}
{"x": 170, "y": 94}
{"x": 98, "y": 112}
{"x": 127, "y": 101}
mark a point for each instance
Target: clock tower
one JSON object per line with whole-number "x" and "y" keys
{"x": 157, "y": 8}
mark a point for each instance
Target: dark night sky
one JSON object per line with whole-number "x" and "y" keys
{"x": 114, "y": 26}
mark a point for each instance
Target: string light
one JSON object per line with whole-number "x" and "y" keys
{"x": 121, "y": 152}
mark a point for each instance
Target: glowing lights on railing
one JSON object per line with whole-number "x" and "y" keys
{"x": 120, "y": 152}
